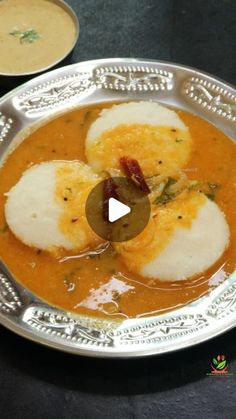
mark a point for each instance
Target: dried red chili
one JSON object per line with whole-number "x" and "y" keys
{"x": 109, "y": 191}
{"x": 133, "y": 170}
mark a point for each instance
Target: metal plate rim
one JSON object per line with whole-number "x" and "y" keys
{"x": 17, "y": 104}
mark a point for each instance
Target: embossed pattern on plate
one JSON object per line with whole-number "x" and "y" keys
{"x": 93, "y": 82}
{"x": 10, "y": 301}
{"x": 212, "y": 97}
{"x": 5, "y": 126}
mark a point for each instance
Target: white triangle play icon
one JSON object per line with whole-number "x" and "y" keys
{"x": 117, "y": 210}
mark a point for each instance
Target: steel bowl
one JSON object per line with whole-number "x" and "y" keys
{"x": 74, "y": 17}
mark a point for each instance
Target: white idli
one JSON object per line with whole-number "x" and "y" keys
{"x": 146, "y": 131}
{"x": 46, "y": 208}
{"x": 172, "y": 249}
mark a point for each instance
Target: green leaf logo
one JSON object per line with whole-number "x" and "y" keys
{"x": 221, "y": 365}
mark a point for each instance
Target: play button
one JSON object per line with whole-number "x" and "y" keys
{"x": 117, "y": 210}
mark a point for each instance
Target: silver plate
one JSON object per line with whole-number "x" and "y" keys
{"x": 93, "y": 82}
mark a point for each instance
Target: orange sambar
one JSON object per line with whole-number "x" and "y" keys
{"x": 67, "y": 284}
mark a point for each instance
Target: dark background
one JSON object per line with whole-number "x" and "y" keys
{"x": 39, "y": 383}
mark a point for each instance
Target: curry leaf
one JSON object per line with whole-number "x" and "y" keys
{"x": 166, "y": 195}
{"x": 171, "y": 181}
{"x": 211, "y": 196}
{"x": 164, "y": 198}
